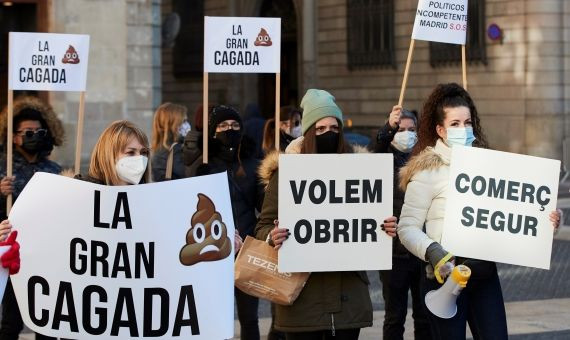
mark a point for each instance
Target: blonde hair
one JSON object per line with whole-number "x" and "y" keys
{"x": 111, "y": 143}
{"x": 167, "y": 119}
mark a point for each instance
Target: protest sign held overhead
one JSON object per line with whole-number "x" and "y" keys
{"x": 48, "y": 61}
{"x": 498, "y": 209}
{"x": 334, "y": 206}
{"x": 126, "y": 261}
{"x": 441, "y": 21}
{"x": 242, "y": 45}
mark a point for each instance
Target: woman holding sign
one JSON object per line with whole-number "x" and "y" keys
{"x": 332, "y": 304}
{"x": 449, "y": 118}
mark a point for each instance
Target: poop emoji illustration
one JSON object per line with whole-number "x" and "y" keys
{"x": 71, "y": 56}
{"x": 207, "y": 239}
{"x": 263, "y": 39}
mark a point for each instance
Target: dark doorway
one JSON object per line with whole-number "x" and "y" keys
{"x": 18, "y": 16}
{"x": 284, "y": 9}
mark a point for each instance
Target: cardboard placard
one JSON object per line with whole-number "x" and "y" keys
{"x": 48, "y": 61}
{"x": 498, "y": 206}
{"x": 334, "y": 206}
{"x": 441, "y": 21}
{"x": 242, "y": 45}
{"x": 149, "y": 260}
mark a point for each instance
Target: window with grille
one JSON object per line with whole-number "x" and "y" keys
{"x": 449, "y": 54}
{"x": 370, "y": 33}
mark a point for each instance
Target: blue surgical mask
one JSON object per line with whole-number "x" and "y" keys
{"x": 460, "y": 136}
{"x": 184, "y": 128}
{"x": 404, "y": 141}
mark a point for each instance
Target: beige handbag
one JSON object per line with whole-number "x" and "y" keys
{"x": 256, "y": 274}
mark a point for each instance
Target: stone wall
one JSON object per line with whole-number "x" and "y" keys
{"x": 521, "y": 92}
{"x": 123, "y": 81}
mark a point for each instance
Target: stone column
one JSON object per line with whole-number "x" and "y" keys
{"x": 544, "y": 79}
{"x": 106, "y": 93}
{"x": 309, "y": 43}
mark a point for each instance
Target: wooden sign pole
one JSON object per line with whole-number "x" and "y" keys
{"x": 277, "y": 110}
{"x": 406, "y": 72}
{"x": 205, "y": 119}
{"x": 80, "y": 119}
{"x": 464, "y": 66}
{"x": 9, "y": 144}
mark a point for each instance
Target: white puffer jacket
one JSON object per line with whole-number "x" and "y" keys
{"x": 425, "y": 181}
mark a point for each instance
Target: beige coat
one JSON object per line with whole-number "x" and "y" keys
{"x": 425, "y": 181}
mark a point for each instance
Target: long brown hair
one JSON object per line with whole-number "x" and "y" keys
{"x": 111, "y": 143}
{"x": 167, "y": 119}
{"x": 446, "y": 96}
{"x": 310, "y": 141}
{"x": 286, "y": 113}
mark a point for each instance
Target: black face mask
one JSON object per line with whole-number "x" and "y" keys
{"x": 229, "y": 138}
{"x": 327, "y": 142}
{"x": 36, "y": 144}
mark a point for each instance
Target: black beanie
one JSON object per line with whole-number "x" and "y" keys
{"x": 219, "y": 114}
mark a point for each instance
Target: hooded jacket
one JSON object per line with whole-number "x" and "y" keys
{"x": 54, "y": 125}
{"x": 22, "y": 169}
{"x": 329, "y": 300}
{"x": 424, "y": 179}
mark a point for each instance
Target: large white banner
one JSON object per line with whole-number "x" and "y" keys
{"x": 334, "y": 206}
{"x": 48, "y": 61}
{"x": 498, "y": 206}
{"x": 126, "y": 262}
{"x": 441, "y": 20}
{"x": 242, "y": 45}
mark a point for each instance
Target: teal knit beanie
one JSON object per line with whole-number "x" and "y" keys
{"x": 318, "y": 104}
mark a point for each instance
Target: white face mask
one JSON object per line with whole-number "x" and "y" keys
{"x": 184, "y": 129}
{"x": 404, "y": 141}
{"x": 131, "y": 169}
{"x": 460, "y": 136}
{"x": 296, "y": 131}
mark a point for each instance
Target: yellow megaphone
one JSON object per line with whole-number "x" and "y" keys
{"x": 441, "y": 302}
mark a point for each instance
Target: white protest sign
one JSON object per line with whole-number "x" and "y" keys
{"x": 48, "y": 61}
{"x": 126, "y": 262}
{"x": 441, "y": 21}
{"x": 242, "y": 45}
{"x": 334, "y": 206}
{"x": 498, "y": 207}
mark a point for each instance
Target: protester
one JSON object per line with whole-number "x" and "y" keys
{"x": 231, "y": 151}
{"x": 36, "y": 131}
{"x": 253, "y": 127}
{"x": 449, "y": 118}
{"x": 169, "y": 127}
{"x": 398, "y": 136}
{"x": 331, "y": 304}
{"x": 289, "y": 129}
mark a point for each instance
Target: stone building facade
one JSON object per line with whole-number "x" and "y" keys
{"x": 518, "y": 82}
{"x": 124, "y": 74}
{"x": 519, "y": 87}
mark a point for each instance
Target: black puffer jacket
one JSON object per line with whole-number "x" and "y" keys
{"x": 384, "y": 145}
{"x": 245, "y": 189}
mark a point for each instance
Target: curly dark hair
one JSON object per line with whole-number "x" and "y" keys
{"x": 446, "y": 96}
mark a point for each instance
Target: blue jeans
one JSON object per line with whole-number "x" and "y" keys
{"x": 480, "y": 304}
